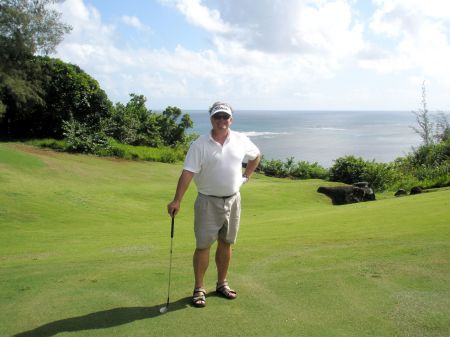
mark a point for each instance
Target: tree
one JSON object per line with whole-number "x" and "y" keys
{"x": 173, "y": 132}
{"x": 442, "y": 127}
{"x": 425, "y": 125}
{"x": 69, "y": 93}
{"x": 27, "y": 27}
{"x": 133, "y": 123}
{"x": 64, "y": 92}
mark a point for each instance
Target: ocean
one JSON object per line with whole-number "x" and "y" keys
{"x": 323, "y": 136}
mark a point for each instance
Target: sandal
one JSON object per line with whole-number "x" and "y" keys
{"x": 224, "y": 290}
{"x": 199, "y": 298}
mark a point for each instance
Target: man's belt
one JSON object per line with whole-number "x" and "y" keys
{"x": 224, "y": 197}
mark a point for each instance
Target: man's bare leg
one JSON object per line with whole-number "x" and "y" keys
{"x": 200, "y": 262}
{"x": 223, "y": 258}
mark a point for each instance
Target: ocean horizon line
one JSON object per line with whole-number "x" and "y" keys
{"x": 310, "y": 110}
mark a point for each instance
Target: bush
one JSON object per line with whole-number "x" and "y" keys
{"x": 299, "y": 170}
{"x": 380, "y": 176}
{"x": 160, "y": 154}
{"x": 54, "y": 144}
{"x": 350, "y": 169}
{"x": 427, "y": 166}
{"x": 430, "y": 155}
{"x": 273, "y": 168}
{"x": 306, "y": 170}
{"x": 134, "y": 124}
{"x": 81, "y": 138}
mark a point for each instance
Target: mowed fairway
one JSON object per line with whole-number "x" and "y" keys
{"x": 84, "y": 251}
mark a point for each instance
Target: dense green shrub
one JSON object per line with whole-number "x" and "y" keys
{"x": 164, "y": 154}
{"x": 82, "y": 138}
{"x": 306, "y": 170}
{"x": 430, "y": 155}
{"x": 55, "y": 92}
{"x": 348, "y": 169}
{"x": 351, "y": 169}
{"x": 54, "y": 144}
{"x": 134, "y": 124}
{"x": 427, "y": 166}
{"x": 291, "y": 169}
{"x": 273, "y": 168}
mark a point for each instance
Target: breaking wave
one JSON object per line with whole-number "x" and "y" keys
{"x": 265, "y": 134}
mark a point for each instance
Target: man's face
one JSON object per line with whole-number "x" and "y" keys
{"x": 221, "y": 121}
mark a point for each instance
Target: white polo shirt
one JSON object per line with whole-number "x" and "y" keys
{"x": 217, "y": 168}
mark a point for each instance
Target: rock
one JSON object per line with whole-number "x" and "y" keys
{"x": 416, "y": 190}
{"x": 362, "y": 184}
{"x": 347, "y": 194}
{"x": 400, "y": 192}
{"x": 368, "y": 194}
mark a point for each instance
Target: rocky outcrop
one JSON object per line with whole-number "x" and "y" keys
{"x": 416, "y": 190}
{"x": 348, "y": 194}
{"x": 401, "y": 192}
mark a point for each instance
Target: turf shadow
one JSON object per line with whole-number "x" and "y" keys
{"x": 103, "y": 319}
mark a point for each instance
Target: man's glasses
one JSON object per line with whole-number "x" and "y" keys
{"x": 220, "y": 116}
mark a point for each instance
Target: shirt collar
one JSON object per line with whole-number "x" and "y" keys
{"x": 226, "y": 140}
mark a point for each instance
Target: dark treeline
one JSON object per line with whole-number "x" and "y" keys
{"x": 43, "y": 97}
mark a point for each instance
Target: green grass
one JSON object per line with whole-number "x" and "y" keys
{"x": 84, "y": 251}
{"x": 163, "y": 154}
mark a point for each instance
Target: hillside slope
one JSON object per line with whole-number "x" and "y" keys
{"x": 84, "y": 249}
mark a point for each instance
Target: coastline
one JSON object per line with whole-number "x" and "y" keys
{"x": 323, "y": 136}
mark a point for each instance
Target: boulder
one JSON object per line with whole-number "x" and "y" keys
{"x": 368, "y": 194}
{"x": 416, "y": 190}
{"x": 400, "y": 192}
{"x": 348, "y": 194}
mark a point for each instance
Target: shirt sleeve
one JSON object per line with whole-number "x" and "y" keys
{"x": 193, "y": 160}
{"x": 251, "y": 150}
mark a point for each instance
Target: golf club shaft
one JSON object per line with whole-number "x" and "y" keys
{"x": 172, "y": 229}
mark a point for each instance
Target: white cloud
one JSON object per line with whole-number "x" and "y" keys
{"x": 200, "y": 15}
{"x": 132, "y": 21}
{"x": 236, "y": 68}
{"x": 273, "y": 54}
{"x": 418, "y": 31}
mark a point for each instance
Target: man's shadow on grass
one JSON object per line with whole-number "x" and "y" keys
{"x": 103, "y": 319}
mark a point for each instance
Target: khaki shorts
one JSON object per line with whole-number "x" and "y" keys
{"x": 216, "y": 217}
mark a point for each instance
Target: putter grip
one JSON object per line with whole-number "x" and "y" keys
{"x": 173, "y": 227}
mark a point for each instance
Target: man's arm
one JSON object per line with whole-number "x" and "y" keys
{"x": 183, "y": 183}
{"x": 251, "y": 166}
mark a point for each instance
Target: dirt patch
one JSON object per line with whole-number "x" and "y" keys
{"x": 33, "y": 149}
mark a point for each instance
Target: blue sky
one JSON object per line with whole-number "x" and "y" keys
{"x": 266, "y": 54}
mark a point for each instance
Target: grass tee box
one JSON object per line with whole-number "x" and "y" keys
{"x": 84, "y": 245}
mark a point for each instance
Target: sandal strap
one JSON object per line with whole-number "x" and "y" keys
{"x": 224, "y": 289}
{"x": 224, "y": 286}
{"x": 200, "y": 290}
{"x": 199, "y": 300}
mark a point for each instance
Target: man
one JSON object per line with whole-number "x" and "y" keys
{"x": 214, "y": 161}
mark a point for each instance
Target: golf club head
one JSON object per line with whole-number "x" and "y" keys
{"x": 163, "y": 310}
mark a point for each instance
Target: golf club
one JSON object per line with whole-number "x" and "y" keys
{"x": 163, "y": 310}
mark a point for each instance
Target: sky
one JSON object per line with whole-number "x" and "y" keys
{"x": 264, "y": 54}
